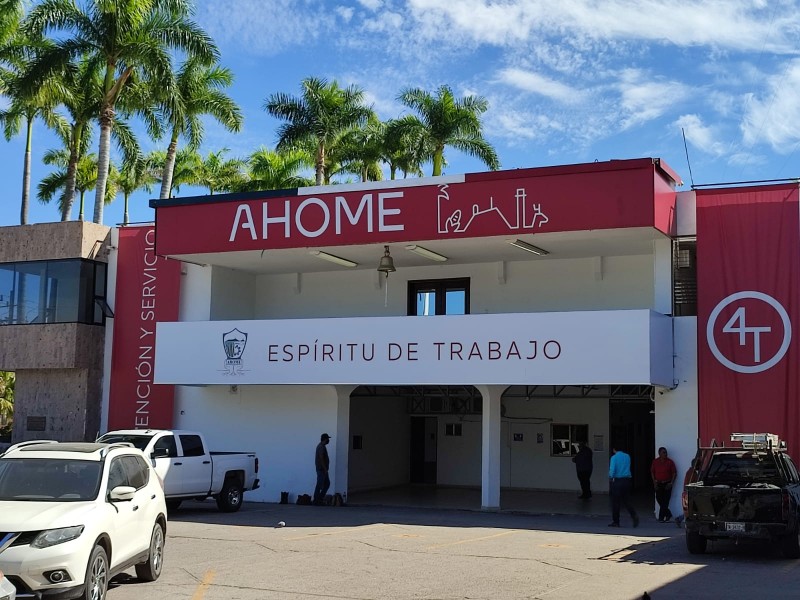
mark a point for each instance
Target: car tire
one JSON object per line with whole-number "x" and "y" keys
{"x": 790, "y": 544}
{"x": 173, "y": 504}
{"x": 230, "y": 498}
{"x": 151, "y": 568}
{"x": 695, "y": 543}
{"x": 95, "y": 584}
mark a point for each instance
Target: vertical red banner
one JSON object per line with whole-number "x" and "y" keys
{"x": 147, "y": 291}
{"x": 748, "y": 273}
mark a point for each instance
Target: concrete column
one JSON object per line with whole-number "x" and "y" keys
{"x": 340, "y": 475}
{"x": 662, "y": 275}
{"x": 490, "y": 440}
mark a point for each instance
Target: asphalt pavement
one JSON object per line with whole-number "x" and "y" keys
{"x": 360, "y": 553}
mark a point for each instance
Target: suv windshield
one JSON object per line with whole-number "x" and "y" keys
{"x": 139, "y": 441}
{"x": 49, "y": 479}
{"x": 741, "y": 469}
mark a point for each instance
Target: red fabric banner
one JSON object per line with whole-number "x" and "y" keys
{"x": 748, "y": 273}
{"x": 147, "y": 291}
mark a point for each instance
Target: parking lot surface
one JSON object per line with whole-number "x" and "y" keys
{"x": 364, "y": 553}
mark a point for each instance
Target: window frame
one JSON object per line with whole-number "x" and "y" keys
{"x": 440, "y": 287}
{"x": 575, "y": 436}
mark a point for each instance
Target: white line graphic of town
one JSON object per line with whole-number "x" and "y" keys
{"x": 524, "y": 216}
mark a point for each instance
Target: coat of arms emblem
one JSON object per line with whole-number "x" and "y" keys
{"x": 234, "y": 343}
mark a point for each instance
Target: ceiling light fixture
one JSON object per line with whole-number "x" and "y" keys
{"x": 426, "y": 253}
{"x": 333, "y": 258}
{"x": 528, "y": 247}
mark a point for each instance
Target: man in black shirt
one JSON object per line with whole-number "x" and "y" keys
{"x": 583, "y": 468}
{"x": 322, "y": 462}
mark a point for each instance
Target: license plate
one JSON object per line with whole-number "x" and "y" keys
{"x": 734, "y": 526}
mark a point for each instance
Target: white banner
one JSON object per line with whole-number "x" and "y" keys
{"x": 566, "y": 348}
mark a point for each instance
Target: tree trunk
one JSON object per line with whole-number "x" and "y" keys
{"x": 26, "y": 174}
{"x": 169, "y": 167}
{"x": 68, "y": 199}
{"x": 103, "y": 160}
{"x": 80, "y": 209}
{"x": 320, "y": 166}
{"x": 392, "y": 171}
{"x": 438, "y": 159}
{"x": 125, "y": 219}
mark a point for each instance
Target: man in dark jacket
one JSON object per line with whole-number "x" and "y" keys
{"x": 322, "y": 462}
{"x": 583, "y": 467}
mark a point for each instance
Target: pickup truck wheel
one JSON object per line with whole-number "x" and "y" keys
{"x": 173, "y": 504}
{"x": 790, "y": 545}
{"x": 695, "y": 543}
{"x": 151, "y": 568}
{"x": 230, "y": 498}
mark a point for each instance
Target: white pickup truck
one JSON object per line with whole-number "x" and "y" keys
{"x": 189, "y": 470}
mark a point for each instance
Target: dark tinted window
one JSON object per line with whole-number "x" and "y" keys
{"x": 166, "y": 443}
{"x": 139, "y": 441}
{"x": 117, "y": 474}
{"x": 726, "y": 469}
{"x": 138, "y": 473}
{"x": 438, "y": 297}
{"x": 49, "y": 480}
{"x": 51, "y": 291}
{"x": 192, "y": 445}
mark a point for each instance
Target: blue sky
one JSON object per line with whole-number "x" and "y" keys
{"x": 567, "y": 82}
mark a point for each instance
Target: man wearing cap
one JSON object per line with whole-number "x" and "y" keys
{"x": 322, "y": 462}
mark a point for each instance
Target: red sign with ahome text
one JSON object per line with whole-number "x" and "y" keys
{"x": 618, "y": 194}
{"x": 748, "y": 273}
{"x": 147, "y": 291}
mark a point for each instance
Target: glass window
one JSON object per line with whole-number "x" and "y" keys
{"x": 137, "y": 473}
{"x": 438, "y": 297}
{"x": 167, "y": 446}
{"x": 192, "y": 445}
{"x": 117, "y": 475}
{"x": 55, "y": 291}
{"x": 565, "y": 438}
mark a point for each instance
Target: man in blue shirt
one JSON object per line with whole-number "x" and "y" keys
{"x": 619, "y": 475}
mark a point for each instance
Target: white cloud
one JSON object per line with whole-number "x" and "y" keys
{"x": 644, "y": 99}
{"x": 700, "y": 135}
{"x": 720, "y": 23}
{"x": 346, "y": 12}
{"x": 539, "y": 84}
{"x": 371, "y": 4}
{"x": 773, "y": 118}
{"x": 264, "y": 28}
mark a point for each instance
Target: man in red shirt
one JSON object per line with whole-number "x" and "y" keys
{"x": 663, "y": 473}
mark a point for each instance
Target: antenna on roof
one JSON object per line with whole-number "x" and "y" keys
{"x": 686, "y": 149}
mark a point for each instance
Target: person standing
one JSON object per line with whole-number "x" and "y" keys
{"x": 583, "y": 468}
{"x": 322, "y": 463}
{"x": 663, "y": 473}
{"x": 619, "y": 475}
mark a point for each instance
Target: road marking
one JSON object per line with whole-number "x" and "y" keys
{"x": 204, "y": 585}
{"x": 467, "y": 541}
{"x": 313, "y": 535}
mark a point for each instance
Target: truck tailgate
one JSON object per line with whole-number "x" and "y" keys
{"x": 761, "y": 504}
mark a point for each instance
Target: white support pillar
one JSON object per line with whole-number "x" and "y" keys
{"x": 662, "y": 275}
{"x": 339, "y": 479}
{"x": 490, "y": 452}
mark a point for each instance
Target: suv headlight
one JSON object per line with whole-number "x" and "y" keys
{"x": 51, "y": 537}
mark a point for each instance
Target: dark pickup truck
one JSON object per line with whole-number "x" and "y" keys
{"x": 747, "y": 492}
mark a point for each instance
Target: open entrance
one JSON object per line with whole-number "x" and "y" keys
{"x": 423, "y": 449}
{"x": 631, "y": 421}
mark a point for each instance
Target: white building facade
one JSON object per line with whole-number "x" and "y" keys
{"x": 528, "y": 310}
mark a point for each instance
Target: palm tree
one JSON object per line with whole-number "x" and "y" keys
{"x": 197, "y": 92}
{"x": 404, "y": 147}
{"x": 187, "y": 162}
{"x": 85, "y": 179}
{"x": 362, "y": 150}
{"x": 270, "y": 170}
{"x": 218, "y": 174}
{"x": 127, "y": 37}
{"x": 446, "y": 121}
{"x": 134, "y": 175}
{"x": 26, "y": 105}
{"x": 320, "y": 116}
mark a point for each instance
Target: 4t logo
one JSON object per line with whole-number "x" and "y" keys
{"x": 754, "y": 338}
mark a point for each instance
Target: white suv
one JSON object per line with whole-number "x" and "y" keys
{"x": 73, "y": 515}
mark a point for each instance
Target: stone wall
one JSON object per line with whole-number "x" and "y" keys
{"x": 57, "y": 404}
{"x": 48, "y": 241}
